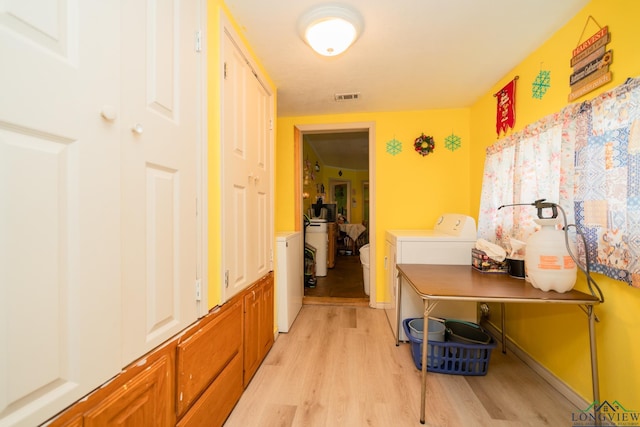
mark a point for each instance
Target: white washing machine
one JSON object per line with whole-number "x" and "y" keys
{"x": 318, "y": 237}
{"x": 449, "y": 242}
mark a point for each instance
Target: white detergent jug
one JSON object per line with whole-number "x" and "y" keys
{"x": 547, "y": 262}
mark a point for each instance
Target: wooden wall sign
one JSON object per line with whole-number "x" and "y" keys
{"x": 590, "y": 61}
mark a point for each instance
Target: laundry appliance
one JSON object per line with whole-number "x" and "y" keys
{"x": 449, "y": 242}
{"x": 317, "y": 236}
{"x": 289, "y": 278}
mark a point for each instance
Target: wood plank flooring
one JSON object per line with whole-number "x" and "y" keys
{"x": 339, "y": 366}
{"x": 343, "y": 284}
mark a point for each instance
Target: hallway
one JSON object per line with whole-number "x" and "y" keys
{"x": 343, "y": 284}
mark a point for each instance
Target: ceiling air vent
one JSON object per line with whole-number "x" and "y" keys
{"x": 347, "y": 96}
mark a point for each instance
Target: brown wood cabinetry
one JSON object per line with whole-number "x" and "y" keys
{"x": 194, "y": 379}
{"x": 203, "y": 355}
{"x": 218, "y": 400}
{"x": 144, "y": 400}
{"x": 258, "y": 325}
{"x": 334, "y": 232}
{"x": 142, "y": 394}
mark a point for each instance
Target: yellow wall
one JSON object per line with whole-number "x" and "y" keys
{"x": 556, "y": 336}
{"x": 411, "y": 190}
{"x": 214, "y": 118}
{"x": 356, "y": 178}
{"x": 315, "y": 178}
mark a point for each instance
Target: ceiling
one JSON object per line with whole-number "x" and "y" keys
{"x": 411, "y": 55}
{"x": 345, "y": 150}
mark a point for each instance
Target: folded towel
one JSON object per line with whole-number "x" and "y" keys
{"x": 493, "y": 251}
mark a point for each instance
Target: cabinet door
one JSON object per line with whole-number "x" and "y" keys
{"x": 146, "y": 400}
{"x": 218, "y": 400}
{"x": 266, "y": 317}
{"x": 202, "y": 356}
{"x": 252, "y": 348}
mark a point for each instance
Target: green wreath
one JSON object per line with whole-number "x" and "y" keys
{"x": 424, "y": 144}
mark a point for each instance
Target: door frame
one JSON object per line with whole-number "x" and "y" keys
{"x": 202, "y": 179}
{"x": 370, "y": 127}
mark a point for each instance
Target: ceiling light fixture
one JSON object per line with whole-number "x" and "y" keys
{"x": 330, "y": 30}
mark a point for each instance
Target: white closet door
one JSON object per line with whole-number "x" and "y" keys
{"x": 159, "y": 158}
{"x": 260, "y": 223}
{"x": 247, "y": 221}
{"x": 60, "y": 327}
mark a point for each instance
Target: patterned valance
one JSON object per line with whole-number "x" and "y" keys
{"x": 585, "y": 158}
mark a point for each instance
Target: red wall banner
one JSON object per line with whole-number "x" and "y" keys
{"x": 506, "y": 111}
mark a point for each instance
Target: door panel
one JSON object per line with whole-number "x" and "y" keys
{"x": 162, "y": 207}
{"x": 59, "y": 186}
{"x": 247, "y": 231}
{"x": 237, "y": 254}
{"x": 258, "y": 104}
{"x": 159, "y": 157}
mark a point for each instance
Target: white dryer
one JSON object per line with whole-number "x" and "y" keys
{"x": 449, "y": 242}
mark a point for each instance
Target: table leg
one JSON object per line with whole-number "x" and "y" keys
{"x": 428, "y": 307}
{"x": 425, "y": 338}
{"x": 503, "y": 327}
{"x": 594, "y": 361}
{"x": 398, "y": 302}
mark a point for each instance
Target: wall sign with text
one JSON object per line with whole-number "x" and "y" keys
{"x": 590, "y": 62}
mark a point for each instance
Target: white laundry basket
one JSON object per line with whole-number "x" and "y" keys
{"x": 364, "y": 259}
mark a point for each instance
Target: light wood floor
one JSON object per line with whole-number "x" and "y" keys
{"x": 342, "y": 285}
{"x": 339, "y": 366}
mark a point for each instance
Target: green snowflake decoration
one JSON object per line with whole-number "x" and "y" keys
{"x": 394, "y": 147}
{"x": 541, "y": 84}
{"x": 452, "y": 142}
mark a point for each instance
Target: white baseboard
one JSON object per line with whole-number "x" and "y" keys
{"x": 555, "y": 382}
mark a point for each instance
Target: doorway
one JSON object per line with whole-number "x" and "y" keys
{"x": 340, "y": 194}
{"x": 317, "y": 172}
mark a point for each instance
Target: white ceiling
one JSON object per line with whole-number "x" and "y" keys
{"x": 345, "y": 150}
{"x": 411, "y": 55}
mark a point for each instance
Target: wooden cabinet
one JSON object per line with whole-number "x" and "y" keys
{"x": 252, "y": 304}
{"x": 141, "y": 395}
{"x": 195, "y": 378}
{"x": 209, "y": 369}
{"x": 218, "y": 400}
{"x": 144, "y": 400}
{"x": 202, "y": 356}
{"x": 267, "y": 317}
{"x": 334, "y": 232}
{"x": 258, "y": 325}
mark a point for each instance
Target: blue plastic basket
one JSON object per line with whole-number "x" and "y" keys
{"x": 449, "y": 357}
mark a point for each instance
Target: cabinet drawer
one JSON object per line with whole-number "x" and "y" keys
{"x": 202, "y": 356}
{"x": 217, "y": 402}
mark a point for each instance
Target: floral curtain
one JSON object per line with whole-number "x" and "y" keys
{"x": 586, "y": 158}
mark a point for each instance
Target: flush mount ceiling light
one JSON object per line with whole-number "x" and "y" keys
{"x": 330, "y": 30}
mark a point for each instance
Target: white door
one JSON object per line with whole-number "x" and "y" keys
{"x": 60, "y": 317}
{"x": 159, "y": 160}
{"x": 247, "y": 228}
